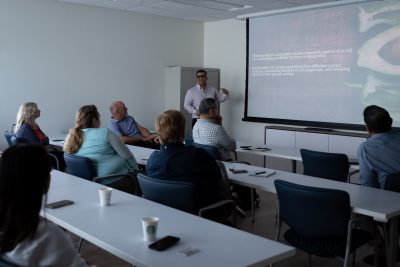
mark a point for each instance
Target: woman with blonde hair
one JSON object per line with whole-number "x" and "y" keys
{"x": 103, "y": 147}
{"x": 26, "y": 129}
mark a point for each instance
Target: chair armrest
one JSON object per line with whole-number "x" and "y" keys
{"x": 239, "y": 161}
{"x": 217, "y": 205}
{"x": 51, "y": 147}
{"x": 100, "y": 179}
{"x": 351, "y": 174}
{"x": 235, "y": 154}
{"x": 355, "y": 220}
{"x": 55, "y": 160}
{"x": 350, "y": 226}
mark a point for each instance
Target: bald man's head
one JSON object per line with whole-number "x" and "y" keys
{"x": 118, "y": 110}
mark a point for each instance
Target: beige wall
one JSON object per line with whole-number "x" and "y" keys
{"x": 225, "y": 48}
{"x": 64, "y": 55}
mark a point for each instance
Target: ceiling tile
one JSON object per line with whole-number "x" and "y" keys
{"x": 198, "y": 10}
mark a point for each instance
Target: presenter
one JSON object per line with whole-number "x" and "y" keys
{"x": 200, "y": 91}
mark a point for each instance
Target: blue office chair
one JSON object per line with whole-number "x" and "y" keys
{"x": 82, "y": 167}
{"x": 11, "y": 140}
{"x": 189, "y": 141}
{"x": 319, "y": 221}
{"x": 393, "y": 182}
{"x": 179, "y": 195}
{"x": 9, "y": 137}
{"x": 211, "y": 150}
{"x": 331, "y": 166}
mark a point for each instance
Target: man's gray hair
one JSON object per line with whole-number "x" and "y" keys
{"x": 206, "y": 105}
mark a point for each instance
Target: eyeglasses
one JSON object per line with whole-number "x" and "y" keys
{"x": 201, "y": 76}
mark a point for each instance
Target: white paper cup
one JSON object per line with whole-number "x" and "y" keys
{"x": 105, "y": 196}
{"x": 150, "y": 225}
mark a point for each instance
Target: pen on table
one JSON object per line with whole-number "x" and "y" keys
{"x": 272, "y": 173}
{"x": 260, "y": 172}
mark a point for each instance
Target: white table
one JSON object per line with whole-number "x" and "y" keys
{"x": 381, "y": 205}
{"x": 118, "y": 230}
{"x": 59, "y": 178}
{"x": 283, "y": 153}
{"x": 57, "y": 139}
{"x": 141, "y": 154}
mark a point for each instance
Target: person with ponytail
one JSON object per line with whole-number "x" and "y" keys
{"x": 103, "y": 147}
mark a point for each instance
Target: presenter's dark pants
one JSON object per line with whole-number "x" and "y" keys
{"x": 193, "y": 122}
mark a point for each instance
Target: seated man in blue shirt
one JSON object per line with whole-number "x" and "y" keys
{"x": 380, "y": 154}
{"x": 128, "y": 129}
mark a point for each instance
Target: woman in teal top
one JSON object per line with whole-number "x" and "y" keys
{"x": 103, "y": 147}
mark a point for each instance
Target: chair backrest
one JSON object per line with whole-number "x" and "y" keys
{"x": 79, "y": 166}
{"x": 223, "y": 171}
{"x": 55, "y": 164}
{"x": 211, "y": 150}
{"x": 225, "y": 176}
{"x": 189, "y": 141}
{"x": 331, "y": 166}
{"x": 175, "y": 194}
{"x": 393, "y": 182}
{"x": 9, "y": 137}
{"x": 313, "y": 212}
{"x": 5, "y": 263}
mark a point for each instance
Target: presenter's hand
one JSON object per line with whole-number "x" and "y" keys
{"x": 224, "y": 91}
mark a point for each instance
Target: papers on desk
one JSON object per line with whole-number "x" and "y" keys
{"x": 262, "y": 173}
{"x": 253, "y": 148}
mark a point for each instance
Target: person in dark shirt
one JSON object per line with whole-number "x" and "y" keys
{"x": 178, "y": 162}
{"x": 28, "y": 239}
{"x": 379, "y": 156}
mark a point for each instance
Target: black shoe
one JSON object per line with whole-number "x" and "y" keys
{"x": 370, "y": 260}
{"x": 381, "y": 260}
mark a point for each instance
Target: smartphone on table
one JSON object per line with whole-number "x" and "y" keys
{"x": 59, "y": 204}
{"x": 164, "y": 243}
{"x": 238, "y": 171}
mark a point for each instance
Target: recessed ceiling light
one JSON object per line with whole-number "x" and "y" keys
{"x": 239, "y": 8}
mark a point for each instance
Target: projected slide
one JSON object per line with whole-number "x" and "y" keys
{"x": 325, "y": 65}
